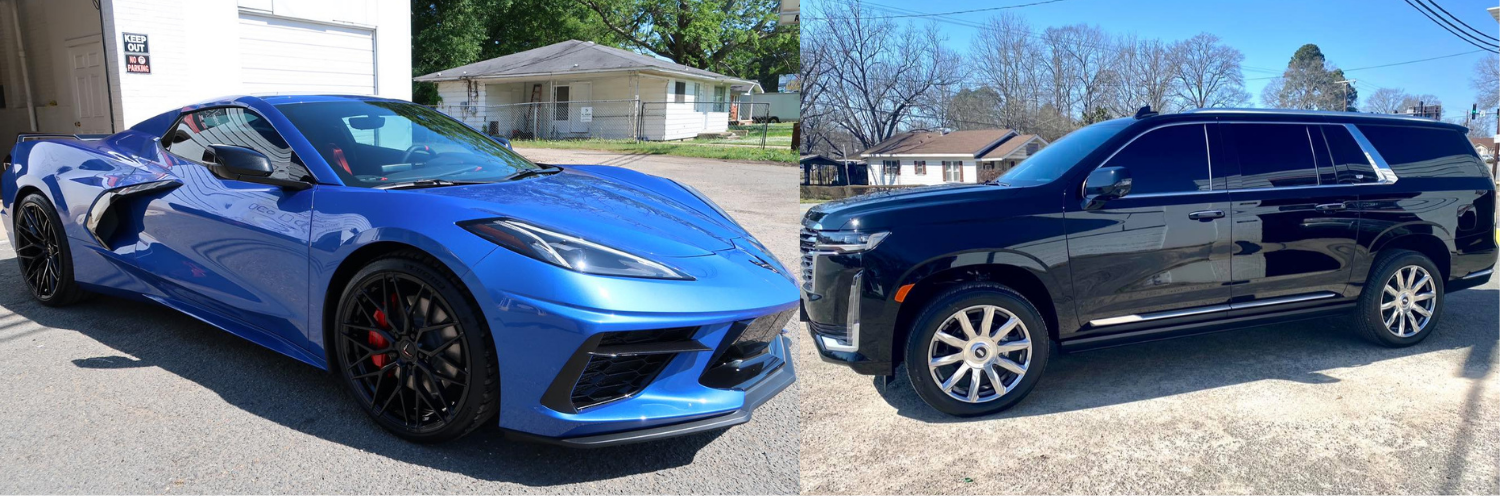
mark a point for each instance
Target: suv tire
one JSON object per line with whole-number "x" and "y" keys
{"x": 1402, "y": 300}
{"x": 1006, "y": 358}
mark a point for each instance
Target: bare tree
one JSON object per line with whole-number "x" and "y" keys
{"x": 1385, "y": 101}
{"x": 1209, "y": 73}
{"x": 1148, "y": 76}
{"x": 877, "y": 74}
{"x": 1008, "y": 59}
{"x": 1486, "y": 85}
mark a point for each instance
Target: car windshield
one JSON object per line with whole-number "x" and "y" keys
{"x": 376, "y": 144}
{"x": 1057, "y": 158}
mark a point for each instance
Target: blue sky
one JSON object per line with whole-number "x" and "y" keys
{"x": 1351, "y": 33}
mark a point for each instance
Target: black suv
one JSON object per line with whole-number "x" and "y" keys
{"x": 1148, "y": 227}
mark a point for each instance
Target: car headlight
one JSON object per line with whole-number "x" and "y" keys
{"x": 848, "y": 241}
{"x": 569, "y": 252}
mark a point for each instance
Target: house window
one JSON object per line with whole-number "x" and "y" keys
{"x": 1032, "y": 147}
{"x": 679, "y": 92}
{"x": 719, "y": 93}
{"x": 701, "y": 104}
{"x": 987, "y": 165}
{"x": 561, "y": 109}
{"x": 892, "y": 167}
{"x": 920, "y": 166}
{"x": 953, "y": 172}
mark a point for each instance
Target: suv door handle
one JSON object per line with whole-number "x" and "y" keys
{"x": 1206, "y": 215}
{"x": 1331, "y": 207}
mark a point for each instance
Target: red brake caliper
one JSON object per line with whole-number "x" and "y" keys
{"x": 379, "y": 341}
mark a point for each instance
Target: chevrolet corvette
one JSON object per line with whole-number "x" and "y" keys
{"x": 444, "y": 279}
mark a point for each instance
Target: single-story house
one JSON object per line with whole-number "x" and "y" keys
{"x": 1485, "y": 147}
{"x": 935, "y": 157}
{"x": 578, "y": 89}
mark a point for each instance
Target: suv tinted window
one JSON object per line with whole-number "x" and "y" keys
{"x": 1172, "y": 159}
{"x": 197, "y": 131}
{"x": 1349, "y": 159}
{"x": 1273, "y": 155}
{"x": 1424, "y": 151}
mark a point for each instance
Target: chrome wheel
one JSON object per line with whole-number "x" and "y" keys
{"x": 979, "y": 353}
{"x": 1408, "y": 302}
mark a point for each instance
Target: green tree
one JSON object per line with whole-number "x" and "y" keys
{"x": 1310, "y": 82}
{"x": 740, "y": 38}
{"x": 451, "y": 33}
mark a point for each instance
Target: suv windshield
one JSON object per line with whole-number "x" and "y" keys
{"x": 379, "y": 144}
{"x": 1055, "y": 159}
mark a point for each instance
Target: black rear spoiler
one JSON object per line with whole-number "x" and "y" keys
{"x": 24, "y": 137}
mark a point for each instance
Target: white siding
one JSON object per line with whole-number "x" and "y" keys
{"x": 665, "y": 119}
{"x": 909, "y": 176}
{"x": 284, "y": 55}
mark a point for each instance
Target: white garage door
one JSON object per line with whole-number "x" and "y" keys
{"x": 287, "y": 56}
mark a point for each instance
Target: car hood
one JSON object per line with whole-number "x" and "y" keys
{"x": 619, "y": 208}
{"x": 841, "y": 214}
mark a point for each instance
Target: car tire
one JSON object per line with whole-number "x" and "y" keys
{"x": 44, "y": 254}
{"x": 996, "y": 354}
{"x": 1396, "y": 289}
{"x": 439, "y": 349}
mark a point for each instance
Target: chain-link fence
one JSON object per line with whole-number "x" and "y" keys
{"x": 698, "y": 123}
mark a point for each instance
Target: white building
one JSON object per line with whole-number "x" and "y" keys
{"x": 578, "y": 89}
{"x": 100, "y": 66}
{"x": 936, "y": 157}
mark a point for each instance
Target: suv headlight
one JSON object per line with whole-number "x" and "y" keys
{"x": 569, "y": 252}
{"x": 848, "y": 241}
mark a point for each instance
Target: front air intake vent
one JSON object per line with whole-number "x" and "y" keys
{"x": 613, "y": 366}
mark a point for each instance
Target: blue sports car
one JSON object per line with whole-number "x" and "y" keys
{"x": 444, "y": 279}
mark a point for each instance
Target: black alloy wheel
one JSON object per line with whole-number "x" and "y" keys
{"x": 42, "y": 250}
{"x": 407, "y": 347}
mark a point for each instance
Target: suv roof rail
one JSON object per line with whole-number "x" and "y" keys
{"x": 1145, "y": 112}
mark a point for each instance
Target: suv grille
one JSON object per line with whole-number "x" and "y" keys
{"x": 618, "y": 367}
{"x": 837, "y": 332}
{"x": 807, "y": 240}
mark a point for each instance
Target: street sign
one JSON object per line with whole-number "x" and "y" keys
{"x": 138, "y": 64}
{"x": 136, "y": 43}
{"x": 586, "y": 114}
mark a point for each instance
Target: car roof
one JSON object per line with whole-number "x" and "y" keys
{"x": 288, "y": 98}
{"x": 1326, "y": 116}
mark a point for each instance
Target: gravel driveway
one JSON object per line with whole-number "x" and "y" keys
{"x": 113, "y": 396}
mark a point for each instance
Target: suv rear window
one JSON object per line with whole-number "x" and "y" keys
{"x": 1273, "y": 155}
{"x": 1415, "y": 151}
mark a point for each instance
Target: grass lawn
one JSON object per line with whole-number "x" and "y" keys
{"x": 782, "y": 153}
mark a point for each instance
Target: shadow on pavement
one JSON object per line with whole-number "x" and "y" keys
{"x": 280, "y": 389}
{"x": 1296, "y": 351}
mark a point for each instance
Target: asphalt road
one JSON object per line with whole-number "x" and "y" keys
{"x": 113, "y": 396}
{"x": 1297, "y": 408}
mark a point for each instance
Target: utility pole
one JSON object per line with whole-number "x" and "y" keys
{"x": 1346, "y": 83}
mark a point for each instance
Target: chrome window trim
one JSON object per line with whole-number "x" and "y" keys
{"x": 1126, "y": 319}
{"x": 1382, "y": 168}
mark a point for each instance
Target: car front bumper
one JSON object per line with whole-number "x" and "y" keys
{"x": 769, "y": 386}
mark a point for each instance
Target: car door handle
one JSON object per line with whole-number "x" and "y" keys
{"x": 1332, "y": 207}
{"x": 1206, "y": 215}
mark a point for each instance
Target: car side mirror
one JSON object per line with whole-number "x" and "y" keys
{"x": 237, "y": 163}
{"x": 504, "y": 141}
{"x": 1105, "y": 184}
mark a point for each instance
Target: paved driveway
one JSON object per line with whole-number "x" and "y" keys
{"x": 1298, "y": 408}
{"x": 111, "y": 396}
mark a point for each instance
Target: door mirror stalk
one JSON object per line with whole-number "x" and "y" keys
{"x": 237, "y": 163}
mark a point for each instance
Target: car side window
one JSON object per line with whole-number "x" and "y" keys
{"x": 1172, "y": 159}
{"x": 1274, "y": 155}
{"x": 1349, "y": 160}
{"x": 1425, "y": 151}
{"x": 196, "y": 131}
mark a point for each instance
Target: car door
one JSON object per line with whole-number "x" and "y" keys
{"x": 235, "y": 249}
{"x": 1160, "y": 253}
{"x": 1295, "y": 228}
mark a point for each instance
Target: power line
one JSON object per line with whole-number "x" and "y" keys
{"x": 1460, "y": 21}
{"x": 1393, "y": 64}
{"x": 1448, "y": 27}
{"x": 920, "y": 14}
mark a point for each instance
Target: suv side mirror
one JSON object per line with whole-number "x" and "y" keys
{"x": 237, "y": 163}
{"x": 1105, "y": 184}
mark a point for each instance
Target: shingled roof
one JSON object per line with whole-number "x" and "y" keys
{"x": 973, "y": 143}
{"x": 569, "y": 58}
